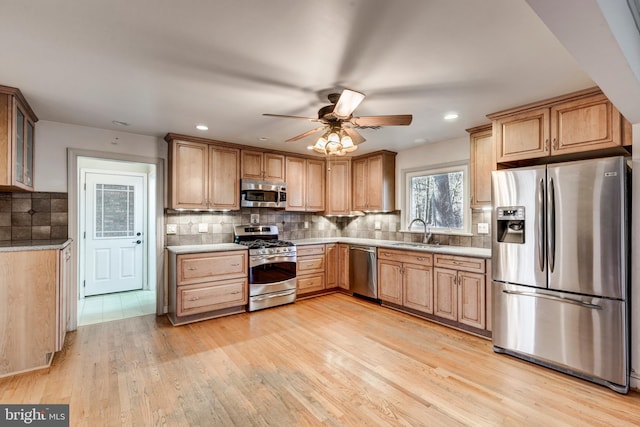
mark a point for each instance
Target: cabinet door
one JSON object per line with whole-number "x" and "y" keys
{"x": 189, "y": 175}
{"x": 296, "y": 183}
{"x": 315, "y": 185}
{"x": 418, "y": 287}
{"x": 273, "y": 165}
{"x": 471, "y": 299}
{"x": 331, "y": 266}
{"x": 251, "y": 165}
{"x": 445, "y": 293}
{"x": 482, "y": 163}
{"x": 375, "y": 183}
{"x": 522, "y": 136}
{"x": 62, "y": 297}
{"x": 359, "y": 184}
{"x": 338, "y": 187}
{"x": 343, "y": 262}
{"x": 224, "y": 186}
{"x": 390, "y": 281}
{"x": 585, "y": 124}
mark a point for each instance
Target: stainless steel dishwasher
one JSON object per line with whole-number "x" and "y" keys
{"x": 363, "y": 271}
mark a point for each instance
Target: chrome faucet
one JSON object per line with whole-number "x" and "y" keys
{"x": 427, "y": 234}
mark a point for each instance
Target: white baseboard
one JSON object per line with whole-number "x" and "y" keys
{"x": 634, "y": 381}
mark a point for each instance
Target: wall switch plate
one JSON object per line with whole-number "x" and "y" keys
{"x": 255, "y": 218}
{"x": 172, "y": 228}
{"x": 306, "y": 224}
{"x": 483, "y": 228}
{"x": 377, "y": 225}
{"x": 202, "y": 228}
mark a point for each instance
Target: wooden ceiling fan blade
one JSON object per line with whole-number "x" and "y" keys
{"x": 354, "y": 135}
{"x": 306, "y": 134}
{"x": 284, "y": 116}
{"x": 396, "y": 120}
{"x": 347, "y": 103}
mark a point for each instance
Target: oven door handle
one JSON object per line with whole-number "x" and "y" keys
{"x": 275, "y": 295}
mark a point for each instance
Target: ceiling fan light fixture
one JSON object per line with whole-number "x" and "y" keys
{"x": 349, "y": 101}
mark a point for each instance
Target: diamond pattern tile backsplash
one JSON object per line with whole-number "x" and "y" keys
{"x": 294, "y": 225}
{"x": 33, "y": 216}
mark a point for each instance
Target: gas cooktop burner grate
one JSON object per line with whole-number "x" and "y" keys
{"x": 263, "y": 244}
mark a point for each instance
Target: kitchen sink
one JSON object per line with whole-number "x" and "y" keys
{"x": 415, "y": 245}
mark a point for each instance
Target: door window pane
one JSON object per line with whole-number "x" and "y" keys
{"x": 114, "y": 211}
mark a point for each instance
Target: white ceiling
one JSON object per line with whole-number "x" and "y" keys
{"x": 165, "y": 66}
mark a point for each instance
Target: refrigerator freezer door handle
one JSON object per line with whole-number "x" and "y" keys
{"x": 553, "y": 298}
{"x": 540, "y": 224}
{"x": 551, "y": 225}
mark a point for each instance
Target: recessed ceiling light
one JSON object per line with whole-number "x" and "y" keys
{"x": 119, "y": 123}
{"x": 263, "y": 138}
{"x": 202, "y": 127}
{"x": 451, "y": 116}
{"x": 309, "y": 147}
{"x": 420, "y": 140}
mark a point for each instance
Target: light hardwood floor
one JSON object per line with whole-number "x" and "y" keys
{"x": 332, "y": 360}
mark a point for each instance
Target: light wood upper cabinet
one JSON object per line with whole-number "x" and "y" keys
{"x": 17, "y": 141}
{"x": 264, "y": 166}
{"x": 373, "y": 182}
{"x": 575, "y": 123}
{"x": 482, "y": 155}
{"x": 204, "y": 176}
{"x": 338, "y": 197}
{"x": 305, "y": 184}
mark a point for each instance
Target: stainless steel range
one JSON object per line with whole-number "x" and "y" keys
{"x": 272, "y": 266}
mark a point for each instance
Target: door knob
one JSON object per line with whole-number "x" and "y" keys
{"x": 137, "y": 242}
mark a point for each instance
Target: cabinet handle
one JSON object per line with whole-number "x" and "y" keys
{"x": 192, "y": 268}
{"x": 194, "y": 298}
{"x": 457, "y": 262}
{"x": 387, "y": 254}
{"x": 546, "y": 144}
{"x": 420, "y": 258}
{"x": 555, "y": 144}
{"x": 235, "y": 292}
{"x": 235, "y": 265}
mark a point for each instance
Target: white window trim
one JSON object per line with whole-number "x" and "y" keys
{"x": 407, "y": 174}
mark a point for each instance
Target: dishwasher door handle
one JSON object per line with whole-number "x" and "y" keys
{"x": 368, "y": 250}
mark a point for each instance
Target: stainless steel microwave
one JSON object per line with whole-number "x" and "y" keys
{"x": 262, "y": 194}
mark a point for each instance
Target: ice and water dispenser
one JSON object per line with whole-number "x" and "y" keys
{"x": 510, "y": 224}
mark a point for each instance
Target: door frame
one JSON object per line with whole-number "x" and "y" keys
{"x": 82, "y": 243}
{"x": 156, "y": 256}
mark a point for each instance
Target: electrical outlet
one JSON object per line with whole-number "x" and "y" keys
{"x": 377, "y": 225}
{"x": 306, "y": 224}
{"x": 483, "y": 228}
{"x": 172, "y": 228}
{"x": 202, "y": 228}
{"x": 255, "y": 218}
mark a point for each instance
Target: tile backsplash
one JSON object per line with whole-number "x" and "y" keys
{"x": 33, "y": 216}
{"x": 294, "y": 225}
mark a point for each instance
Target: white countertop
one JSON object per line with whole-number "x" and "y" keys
{"x": 34, "y": 245}
{"x": 391, "y": 244}
{"x": 218, "y": 247}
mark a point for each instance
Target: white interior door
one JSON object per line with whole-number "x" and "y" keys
{"x": 114, "y": 227}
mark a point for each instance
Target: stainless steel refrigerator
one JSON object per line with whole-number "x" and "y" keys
{"x": 560, "y": 268}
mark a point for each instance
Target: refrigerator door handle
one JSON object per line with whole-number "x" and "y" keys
{"x": 540, "y": 223}
{"x": 551, "y": 225}
{"x": 554, "y": 298}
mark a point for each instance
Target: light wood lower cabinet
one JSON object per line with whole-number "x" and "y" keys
{"x": 310, "y": 269}
{"x": 405, "y": 278}
{"x": 332, "y": 265}
{"x": 343, "y": 269}
{"x": 33, "y": 308}
{"x": 207, "y": 285}
{"x": 459, "y": 289}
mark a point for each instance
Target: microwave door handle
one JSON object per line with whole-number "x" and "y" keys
{"x": 551, "y": 225}
{"x": 540, "y": 223}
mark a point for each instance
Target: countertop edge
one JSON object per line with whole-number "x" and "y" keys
{"x": 215, "y": 247}
{"x": 37, "y": 245}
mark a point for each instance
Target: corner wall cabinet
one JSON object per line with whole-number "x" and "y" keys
{"x": 207, "y": 285}
{"x": 33, "y": 308}
{"x": 203, "y": 176}
{"x": 17, "y": 141}
{"x": 373, "y": 182}
{"x": 305, "y": 184}
{"x": 483, "y": 161}
{"x": 264, "y": 166}
{"x": 575, "y": 123}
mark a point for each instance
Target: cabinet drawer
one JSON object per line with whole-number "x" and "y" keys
{"x": 310, "y": 250}
{"x": 311, "y": 264}
{"x": 406, "y": 256}
{"x": 205, "y": 267}
{"x": 474, "y": 265}
{"x": 211, "y": 296}
{"x": 310, "y": 283}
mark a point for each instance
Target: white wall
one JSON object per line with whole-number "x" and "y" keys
{"x": 53, "y": 139}
{"x": 436, "y": 153}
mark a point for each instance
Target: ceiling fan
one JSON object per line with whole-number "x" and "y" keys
{"x": 339, "y": 124}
